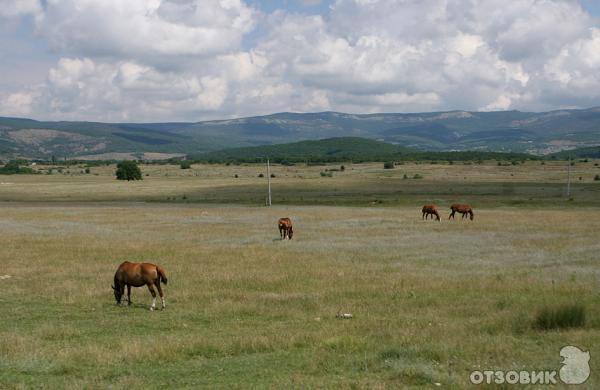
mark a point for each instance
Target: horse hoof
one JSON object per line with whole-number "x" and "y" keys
{"x": 151, "y": 309}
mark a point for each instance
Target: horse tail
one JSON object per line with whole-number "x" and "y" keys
{"x": 162, "y": 275}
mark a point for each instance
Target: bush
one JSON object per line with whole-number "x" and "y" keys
{"x": 342, "y": 168}
{"x": 562, "y": 317}
{"x": 261, "y": 175}
{"x": 326, "y": 174}
{"x": 272, "y": 175}
{"x": 388, "y": 165}
{"x": 14, "y": 167}
{"x": 417, "y": 176}
{"x": 597, "y": 177}
{"x": 405, "y": 176}
{"x": 184, "y": 164}
{"x": 128, "y": 170}
{"x": 87, "y": 170}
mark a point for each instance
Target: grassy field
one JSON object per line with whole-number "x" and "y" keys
{"x": 527, "y": 185}
{"x": 430, "y": 301}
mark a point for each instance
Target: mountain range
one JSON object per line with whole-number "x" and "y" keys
{"x": 506, "y": 131}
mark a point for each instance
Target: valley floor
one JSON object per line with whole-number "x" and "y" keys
{"x": 431, "y": 301}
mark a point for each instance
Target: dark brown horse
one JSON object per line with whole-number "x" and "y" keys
{"x": 464, "y": 209}
{"x": 137, "y": 275}
{"x": 430, "y": 209}
{"x": 285, "y": 228}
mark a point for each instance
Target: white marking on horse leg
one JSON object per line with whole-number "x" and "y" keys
{"x": 153, "y": 303}
{"x": 163, "y": 302}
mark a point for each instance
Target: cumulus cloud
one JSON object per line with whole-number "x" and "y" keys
{"x": 146, "y": 28}
{"x": 16, "y": 8}
{"x": 191, "y": 59}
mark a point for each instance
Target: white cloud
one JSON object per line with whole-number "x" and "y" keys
{"x": 146, "y": 29}
{"x": 17, "y": 8}
{"x": 190, "y": 59}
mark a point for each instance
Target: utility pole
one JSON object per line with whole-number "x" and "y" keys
{"x": 269, "y": 181}
{"x": 569, "y": 179}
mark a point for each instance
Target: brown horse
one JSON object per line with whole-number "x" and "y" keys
{"x": 430, "y": 209}
{"x": 464, "y": 209}
{"x": 285, "y": 228}
{"x": 136, "y": 275}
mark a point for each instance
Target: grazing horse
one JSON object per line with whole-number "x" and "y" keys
{"x": 464, "y": 209}
{"x": 430, "y": 209}
{"x": 136, "y": 275}
{"x": 285, "y": 228}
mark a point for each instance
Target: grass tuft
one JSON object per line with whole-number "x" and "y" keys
{"x": 562, "y": 317}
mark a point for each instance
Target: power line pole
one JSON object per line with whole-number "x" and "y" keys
{"x": 569, "y": 179}
{"x": 269, "y": 181}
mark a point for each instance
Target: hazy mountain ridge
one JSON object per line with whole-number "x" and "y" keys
{"x": 514, "y": 131}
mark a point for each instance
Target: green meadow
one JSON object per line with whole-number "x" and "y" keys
{"x": 430, "y": 301}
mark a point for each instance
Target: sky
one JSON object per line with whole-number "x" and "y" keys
{"x": 193, "y": 60}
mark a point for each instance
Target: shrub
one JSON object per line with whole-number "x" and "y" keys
{"x": 326, "y": 174}
{"x": 236, "y": 176}
{"x": 128, "y": 170}
{"x": 87, "y": 170}
{"x": 184, "y": 164}
{"x": 405, "y": 176}
{"x": 272, "y": 175}
{"x": 417, "y": 176}
{"x": 14, "y": 167}
{"x": 342, "y": 168}
{"x": 597, "y": 177}
{"x": 261, "y": 175}
{"x": 388, "y": 165}
{"x": 562, "y": 317}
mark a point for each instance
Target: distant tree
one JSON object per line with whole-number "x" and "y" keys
{"x": 185, "y": 164}
{"x": 342, "y": 168}
{"x": 14, "y": 167}
{"x": 128, "y": 170}
{"x": 388, "y": 165}
{"x": 597, "y": 177}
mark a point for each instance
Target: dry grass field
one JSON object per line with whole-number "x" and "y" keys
{"x": 430, "y": 301}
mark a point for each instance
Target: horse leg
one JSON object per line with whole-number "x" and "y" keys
{"x": 281, "y": 233}
{"x": 162, "y": 296}
{"x": 451, "y": 215}
{"x": 153, "y": 296}
{"x": 128, "y": 295}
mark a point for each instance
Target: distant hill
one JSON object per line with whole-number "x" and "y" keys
{"x": 507, "y": 131}
{"x": 343, "y": 149}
